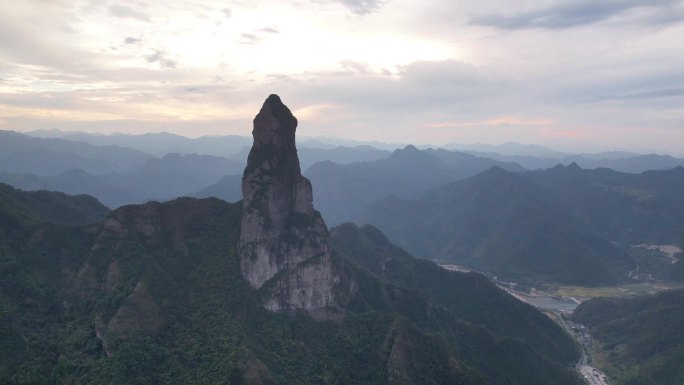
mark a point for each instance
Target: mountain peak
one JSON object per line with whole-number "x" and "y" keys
{"x": 410, "y": 150}
{"x": 561, "y": 168}
{"x": 275, "y": 124}
{"x": 284, "y": 244}
{"x": 496, "y": 171}
{"x": 411, "y": 155}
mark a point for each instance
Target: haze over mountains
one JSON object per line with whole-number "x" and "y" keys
{"x": 177, "y": 285}
{"x": 563, "y": 224}
{"x": 344, "y": 191}
{"x": 258, "y": 292}
{"x": 155, "y": 292}
{"x": 460, "y": 192}
{"x": 427, "y": 200}
{"x": 25, "y": 154}
{"x": 120, "y": 169}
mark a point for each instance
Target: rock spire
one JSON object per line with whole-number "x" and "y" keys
{"x": 284, "y": 244}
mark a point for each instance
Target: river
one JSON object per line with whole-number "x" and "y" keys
{"x": 547, "y": 302}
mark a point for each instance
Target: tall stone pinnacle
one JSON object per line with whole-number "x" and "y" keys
{"x": 284, "y": 244}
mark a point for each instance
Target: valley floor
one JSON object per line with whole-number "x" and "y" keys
{"x": 593, "y": 376}
{"x": 590, "y": 374}
{"x": 558, "y": 302}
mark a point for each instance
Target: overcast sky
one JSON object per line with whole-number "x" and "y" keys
{"x": 584, "y": 75}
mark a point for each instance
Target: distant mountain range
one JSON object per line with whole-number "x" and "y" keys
{"x": 531, "y": 157}
{"x": 161, "y": 143}
{"x": 556, "y": 225}
{"x": 343, "y": 192}
{"x": 618, "y": 161}
{"x": 625, "y": 208}
{"x": 157, "y": 144}
{"x": 508, "y": 149}
{"x": 162, "y": 292}
{"x": 339, "y": 155}
{"x": 99, "y": 166}
{"x": 141, "y": 177}
{"x": 228, "y": 188}
{"x": 26, "y": 154}
{"x": 172, "y": 176}
{"x": 591, "y": 215}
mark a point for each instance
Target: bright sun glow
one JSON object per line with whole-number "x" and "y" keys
{"x": 279, "y": 39}
{"x": 434, "y": 71}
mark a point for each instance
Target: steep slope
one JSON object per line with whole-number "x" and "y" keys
{"x": 284, "y": 244}
{"x": 503, "y": 223}
{"x": 469, "y": 295}
{"x": 154, "y": 294}
{"x": 640, "y": 340}
{"x": 228, "y": 188}
{"x": 343, "y": 192}
{"x": 125, "y": 301}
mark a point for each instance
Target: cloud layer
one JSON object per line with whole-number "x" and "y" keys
{"x": 581, "y": 75}
{"x": 575, "y": 13}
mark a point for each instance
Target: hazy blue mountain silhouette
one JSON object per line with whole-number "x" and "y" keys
{"x": 343, "y": 192}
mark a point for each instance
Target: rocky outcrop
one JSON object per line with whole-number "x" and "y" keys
{"x": 284, "y": 244}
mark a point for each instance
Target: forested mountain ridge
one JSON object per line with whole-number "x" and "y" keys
{"x": 46, "y": 206}
{"x": 154, "y": 294}
{"x": 638, "y": 340}
{"x": 369, "y": 248}
{"x": 503, "y": 223}
{"x": 203, "y": 291}
{"x": 626, "y": 208}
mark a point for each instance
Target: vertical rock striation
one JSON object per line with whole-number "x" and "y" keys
{"x": 284, "y": 244}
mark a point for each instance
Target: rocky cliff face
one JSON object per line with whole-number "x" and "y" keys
{"x": 284, "y": 244}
